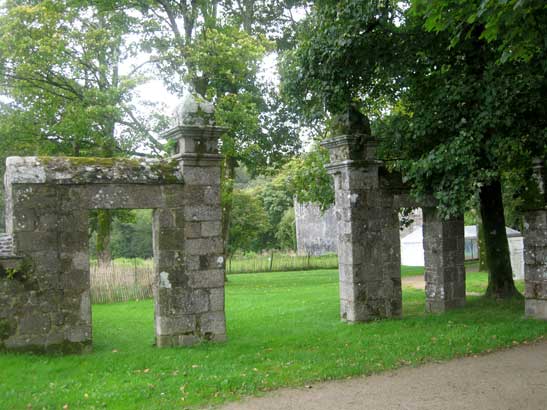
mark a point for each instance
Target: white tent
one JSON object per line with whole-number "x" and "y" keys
{"x": 412, "y": 250}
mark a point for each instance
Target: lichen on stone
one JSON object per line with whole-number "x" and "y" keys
{"x": 91, "y": 170}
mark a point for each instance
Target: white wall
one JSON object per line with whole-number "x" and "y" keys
{"x": 516, "y": 250}
{"x": 412, "y": 251}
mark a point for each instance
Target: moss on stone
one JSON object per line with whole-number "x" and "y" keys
{"x": 57, "y": 349}
{"x": 22, "y": 272}
{"x": 88, "y": 161}
{"x": 162, "y": 171}
{"x": 168, "y": 171}
{"x": 6, "y": 329}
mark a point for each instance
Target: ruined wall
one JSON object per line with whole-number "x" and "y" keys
{"x": 316, "y": 231}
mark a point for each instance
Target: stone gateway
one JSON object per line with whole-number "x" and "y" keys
{"x": 44, "y": 263}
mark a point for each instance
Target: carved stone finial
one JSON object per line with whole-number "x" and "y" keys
{"x": 351, "y": 122}
{"x": 194, "y": 110}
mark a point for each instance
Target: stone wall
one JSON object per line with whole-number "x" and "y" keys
{"x": 316, "y": 231}
{"x": 44, "y": 284}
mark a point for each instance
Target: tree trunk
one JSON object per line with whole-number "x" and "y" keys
{"x": 228, "y": 178}
{"x": 483, "y": 264}
{"x": 500, "y": 274}
{"x": 104, "y": 228}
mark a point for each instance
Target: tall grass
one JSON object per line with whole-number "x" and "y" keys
{"x": 122, "y": 281}
{"x": 279, "y": 262}
{"x": 132, "y": 279}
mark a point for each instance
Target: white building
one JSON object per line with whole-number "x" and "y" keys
{"x": 412, "y": 250}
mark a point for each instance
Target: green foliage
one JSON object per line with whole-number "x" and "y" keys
{"x": 61, "y": 69}
{"x": 132, "y": 237}
{"x": 308, "y": 179}
{"x": 22, "y": 272}
{"x": 321, "y": 73}
{"x": 248, "y": 223}
{"x": 450, "y": 117}
{"x": 515, "y": 27}
{"x": 286, "y": 231}
{"x": 273, "y": 319}
{"x": 275, "y": 198}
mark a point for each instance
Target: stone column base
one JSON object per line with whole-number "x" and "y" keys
{"x": 536, "y": 309}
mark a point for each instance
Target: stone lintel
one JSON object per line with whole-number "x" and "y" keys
{"x": 83, "y": 170}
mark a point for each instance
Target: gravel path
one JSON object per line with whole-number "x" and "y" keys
{"x": 513, "y": 379}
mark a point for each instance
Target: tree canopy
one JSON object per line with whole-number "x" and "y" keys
{"x": 454, "y": 113}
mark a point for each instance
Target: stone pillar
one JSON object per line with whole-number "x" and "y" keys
{"x": 444, "y": 261}
{"x": 368, "y": 229}
{"x": 46, "y": 304}
{"x": 188, "y": 245}
{"x": 535, "y": 245}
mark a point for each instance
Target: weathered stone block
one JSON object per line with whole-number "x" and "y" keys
{"x": 205, "y": 279}
{"x": 34, "y": 324}
{"x": 213, "y": 325}
{"x": 202, "y": 213}
{"x": 204, "y": 246}
{"x": 173, "y": 325}
{"x": 164, "y": 218}
{"x": 124, "y": 196}
{"x": 192, "y": 230}
{"x": 216, "y": 299}
{"x": 536, "y": 308}
{"x": 536, "y": 289}
{"x": 211, "y": 228}
{"x": 174, "y": 195}
{"x": 201, "y": 175}
{"x": 24, "y": 220}
{"x": 77, "y": 334}
{"x": 171, "y": 239}
{"x": 35, "y": 241}
{"x": 211, "y": 194}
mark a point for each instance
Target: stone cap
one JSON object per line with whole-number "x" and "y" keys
{"x": 194, "y": 110}
{"x": 85, "y": 170}
{"x": 196, "y": 145}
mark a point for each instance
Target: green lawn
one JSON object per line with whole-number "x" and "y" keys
{"x": 283, "y": 329}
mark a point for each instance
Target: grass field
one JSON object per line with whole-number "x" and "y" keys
{"x": 283, "y": 329}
